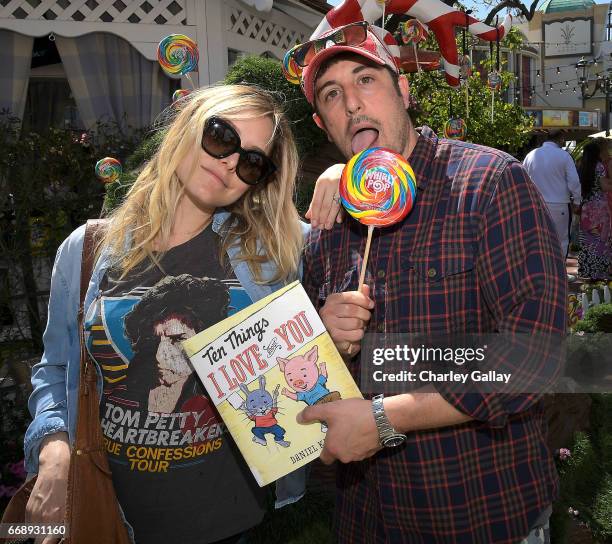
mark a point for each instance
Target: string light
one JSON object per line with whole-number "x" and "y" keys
{"x": 558, "y": 70}
{"x": 566, "y": 84}
{"x": 538, "y": 73}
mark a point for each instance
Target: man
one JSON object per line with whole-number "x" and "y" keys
{"x": 553, "y": 171}
{"x": 173, "y": 310}
{"x": 476, "y": 254}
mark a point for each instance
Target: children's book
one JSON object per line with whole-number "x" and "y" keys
{"x": 264, "y": 365}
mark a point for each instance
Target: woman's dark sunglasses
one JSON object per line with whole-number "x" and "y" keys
{"x": 221, "y": 140}
{"x": 352, "y": 34}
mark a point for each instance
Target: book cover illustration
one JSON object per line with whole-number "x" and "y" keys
{"x": 264, "y": 365}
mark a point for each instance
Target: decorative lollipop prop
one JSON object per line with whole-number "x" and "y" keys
{"x": 465, "y": 64}
{"x": 178, "y": 55}
{"x": 108, "y": 169}
{"x": 291, "y": 70}
{"x": 494, "y": 80}
{"x": 180, "y": 93}
{"x": 413, "y": 32}
{"x": 378, "y": 188}
{"x": 455, "y": 129}
{"x": 383, "y": 5}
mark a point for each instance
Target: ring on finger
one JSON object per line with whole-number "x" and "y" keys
{"x": 336, "y": 198}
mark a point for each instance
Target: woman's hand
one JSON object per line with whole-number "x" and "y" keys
{"x": 47, "y": 503}
{"x": 325, "y": 206}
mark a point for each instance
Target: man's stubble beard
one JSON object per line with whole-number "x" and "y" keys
{"x": 399, "y": 136}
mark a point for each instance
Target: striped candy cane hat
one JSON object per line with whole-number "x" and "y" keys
{"x": 381, "y": 47}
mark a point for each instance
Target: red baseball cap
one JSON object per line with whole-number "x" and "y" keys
{"x": 372, "y": 48}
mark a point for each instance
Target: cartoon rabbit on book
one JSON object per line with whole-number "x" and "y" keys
{"x": 261, "y": 407}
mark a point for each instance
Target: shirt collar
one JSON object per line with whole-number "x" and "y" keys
{"x": 423, "y": 154}
{"x": 220, "y": 216}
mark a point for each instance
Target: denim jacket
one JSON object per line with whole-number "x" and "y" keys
{"x": 55, "y": 380}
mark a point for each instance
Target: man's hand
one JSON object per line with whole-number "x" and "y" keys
{"x": 351, "y": 429}
{"x": 345, "y": 316}
{"x": 47, "y": 503}
{"x": 325, "y": 206}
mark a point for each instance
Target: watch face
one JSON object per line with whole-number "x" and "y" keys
{"x": 394, "y": 440}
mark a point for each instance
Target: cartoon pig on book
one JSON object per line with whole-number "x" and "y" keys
{"x": 306, "y": 378}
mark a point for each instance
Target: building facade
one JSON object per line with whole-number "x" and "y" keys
{"x": 105, "y": 51}
{"x": 563, "y": 81}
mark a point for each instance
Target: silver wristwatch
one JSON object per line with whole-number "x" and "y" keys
{"x": 387, "y": 435}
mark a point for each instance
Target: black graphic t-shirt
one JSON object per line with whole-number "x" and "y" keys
{"x": 178, "y": 475}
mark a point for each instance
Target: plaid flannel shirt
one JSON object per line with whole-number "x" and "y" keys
{"x": 477, "y": 254}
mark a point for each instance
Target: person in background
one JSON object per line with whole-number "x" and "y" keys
{"x": 553, "y": 171}
{"x": 604, "y": 149}
{"x": 595, "y": 254}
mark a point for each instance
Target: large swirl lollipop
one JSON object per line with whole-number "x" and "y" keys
{"x": 178, "y": 55}
{"x": 378, "y": 188}
{"x": 108, "y": 169}
{"x": 291, "y": 70}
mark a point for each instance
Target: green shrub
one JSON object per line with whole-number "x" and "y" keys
{"x": 268, "y": 74}
{"x": 586, "y": 477}
{"x": 597, "y": 319}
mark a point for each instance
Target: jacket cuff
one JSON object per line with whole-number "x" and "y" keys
{"x": 53, "y": 423}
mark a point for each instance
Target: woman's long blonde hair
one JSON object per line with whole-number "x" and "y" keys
{"x": 264, "y": 222}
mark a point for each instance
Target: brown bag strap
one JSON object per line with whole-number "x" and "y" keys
{"x": 93, "y": 234}
{"x": 91, "y": 505}
{"x": 88, "y": 436}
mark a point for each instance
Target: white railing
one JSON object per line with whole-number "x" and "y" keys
{"x": 155, "y": 12}
{"x": 251, "y": 26}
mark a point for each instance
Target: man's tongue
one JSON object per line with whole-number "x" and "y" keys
{"x": 363, "y": 139}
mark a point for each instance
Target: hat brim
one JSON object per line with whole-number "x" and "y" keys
{"x": 311, "y": 71}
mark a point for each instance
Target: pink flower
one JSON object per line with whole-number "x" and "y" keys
{"x": 564, "y": 454}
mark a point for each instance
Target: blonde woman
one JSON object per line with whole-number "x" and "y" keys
{"x": 208, "y": 227}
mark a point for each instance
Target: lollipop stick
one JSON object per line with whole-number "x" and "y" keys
{"x": 363, "y": 269}
{"x": 365, "y": 257}
{"x": 416, "y": 57}
{"x": 188, "y": 77}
